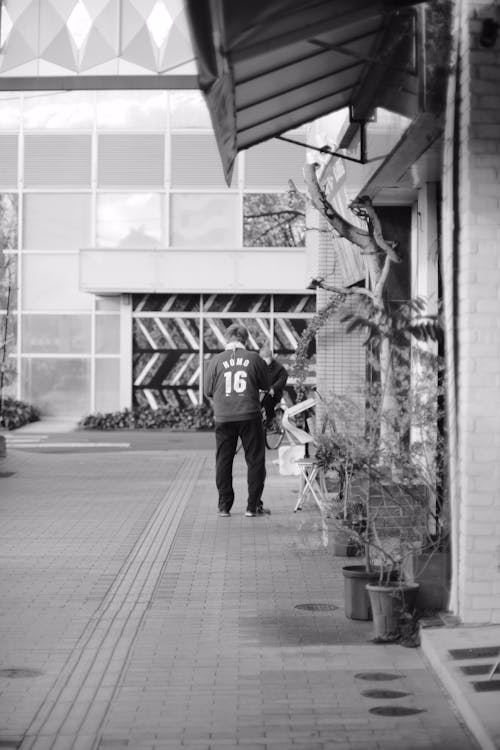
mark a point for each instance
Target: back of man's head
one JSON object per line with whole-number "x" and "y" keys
{"x": 237, "y": 332}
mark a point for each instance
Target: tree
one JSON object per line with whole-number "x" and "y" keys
{"x": 273, "y": 220}
{"x": 8, "y": 241}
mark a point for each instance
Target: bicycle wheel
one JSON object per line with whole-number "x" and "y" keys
{"x": 274, "y": 431}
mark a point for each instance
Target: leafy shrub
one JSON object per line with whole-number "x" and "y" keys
{"x": 15, "y": 414}
{"x": 144, "y": 418}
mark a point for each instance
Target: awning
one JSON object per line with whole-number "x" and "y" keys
{"x": 269, "y": 66}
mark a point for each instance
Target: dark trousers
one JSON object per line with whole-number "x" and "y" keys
{"x": 252, "y": 438}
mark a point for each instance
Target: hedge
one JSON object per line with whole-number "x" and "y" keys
{"x": 15, "y": 414}
{"x": 145, "y": 418}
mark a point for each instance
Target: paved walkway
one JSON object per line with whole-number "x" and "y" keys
{"x": 133, "y": 617}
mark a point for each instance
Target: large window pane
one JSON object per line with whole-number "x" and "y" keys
{"x": 10, "y": 102}
{"x": 203, "y": 220}
{"x": 107, "y": 385}
{"x": 166, "y": 303}
{"x": 295, "y": 303}
{"x": 188, "y": 110}
{"x": 273, "y": 220}
{"x": 129, "y": 220}
{"x": 57, "y": 386}
{"x": 50, "y": 282}
{"x": 214, "y": 332}
{"x": 166, "y": 361}
{"x": 8, "y": 350}
{"x": 107, "y": 334}
{"x": 256, "y": 303}
{"x": 56, "y": 221}
{"x": 8, "y": 281}
{"x": 108, "y": 304}
{"x": 287, "y": 332}
{"x": 56, "y": 334}
{"x": 131, "y": 110}
{"x": 8, "y": 220}
{"x": 72, "y": 110}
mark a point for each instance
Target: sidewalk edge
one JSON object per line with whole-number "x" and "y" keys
{"x": 457, "y": 688}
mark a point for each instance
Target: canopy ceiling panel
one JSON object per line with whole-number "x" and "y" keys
{"x": 268, "y": 66}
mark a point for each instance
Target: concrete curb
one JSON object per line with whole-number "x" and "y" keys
{"x": 472, "y": 706}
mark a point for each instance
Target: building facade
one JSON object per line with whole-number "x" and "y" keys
{"x": 129, "y": 255}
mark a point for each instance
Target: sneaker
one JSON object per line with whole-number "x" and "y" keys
{"x": 261, "y": 511}
{"x": 250, "y": 514}
{"x": 224, "y": 513}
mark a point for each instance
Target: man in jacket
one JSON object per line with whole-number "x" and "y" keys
{"x": 234, "y": 379}
{"x": 278, "y": 376}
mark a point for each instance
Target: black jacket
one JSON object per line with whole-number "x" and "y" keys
{"x": 277, "y": 378}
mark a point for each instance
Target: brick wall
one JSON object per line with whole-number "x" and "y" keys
{"x": 341, "y": 357}
{"x": 476, "y": 480}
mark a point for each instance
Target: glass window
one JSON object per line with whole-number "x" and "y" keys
{"x": 10, "y": 102}
{"x": 56, "y": 386}
{"x": 107, "y": 334}
{"x": 8, "y": 281}
{"x": 108, "y": 304}
{"x": 56, "y": 334}
{"x": 188, "y": 110}
{"x": 73, "y": 110}
{"x": 295, "y": 303}
{"x": 237, "y": 302}
{"x": 214, "y": 332}
{"x": 164, "y": 303}
{"x": 8, "y": 221}
{"x": 8, "y": 338}
{"x": 131, "y": 110}
{"x": 50, "y": 282}
{"x": 204, "y": 220}
{"x": 107, "y": 384}
{"x": 56, "y": 221}
{"x": 287, "y": 332}
{"x": 129, "y": 220}
{"x": 273, "y": 220}
{"x": 167, "y": 334}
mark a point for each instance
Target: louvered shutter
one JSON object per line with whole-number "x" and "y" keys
{"x": 8, "y": 160}
{"x": 196, "y": 162}
{"x": 131, "y": 160}
{"x": 270, "y": 165}
{"x": 57, "y": 160}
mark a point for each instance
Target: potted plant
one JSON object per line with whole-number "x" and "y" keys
{"x": 390, "y": 481}
{"x": 344, "y": 516}
{"x": 391, "y": 471}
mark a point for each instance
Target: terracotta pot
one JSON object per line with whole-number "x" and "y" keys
{"x": 356, "y": 600}
{"x": 387, "y": 602}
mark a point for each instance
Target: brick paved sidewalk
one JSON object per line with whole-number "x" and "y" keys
{"x": 133, "y": 617}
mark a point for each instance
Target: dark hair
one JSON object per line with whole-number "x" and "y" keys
{"x": 237, "y": 332}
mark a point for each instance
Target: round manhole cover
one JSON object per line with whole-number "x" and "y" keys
{"x": 11, "y": 672}
{"x": 379, "y": 693}
{"x": 378, "y": 676}
{"x": 316, "y": 607}
{"x": 396, "y": 711}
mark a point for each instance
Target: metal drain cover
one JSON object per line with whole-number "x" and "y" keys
{"x": 378, "y": 676}
{"x": 316, "y": 607}
{"x": 378, "y": 693}
{"x": 15, "y": 672}
{"x": 396, "y": 711}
